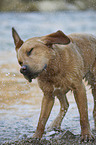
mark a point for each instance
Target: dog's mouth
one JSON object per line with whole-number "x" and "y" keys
{"x": 29, "y": 75}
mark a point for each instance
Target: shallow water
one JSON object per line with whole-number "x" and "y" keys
{"x": 20, "y": 101}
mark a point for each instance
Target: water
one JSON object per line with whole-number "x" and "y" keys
{"x": 20, "y": 101}
{"x": 38, "y": 24}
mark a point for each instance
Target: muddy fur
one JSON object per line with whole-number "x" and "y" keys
{"x": 60, "y": 62}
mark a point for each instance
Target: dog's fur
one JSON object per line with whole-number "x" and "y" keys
{"x": 60, "y": 63}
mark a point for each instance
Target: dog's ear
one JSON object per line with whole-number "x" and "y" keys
{"x": 56, "y": 38}
{"x": 17, "y": 40}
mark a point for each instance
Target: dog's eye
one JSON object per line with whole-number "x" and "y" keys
{"x": 20, "y": 62}
{"x": 29, "y": 52}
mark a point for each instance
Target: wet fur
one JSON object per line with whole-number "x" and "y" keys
{"x": 69, "y": 59}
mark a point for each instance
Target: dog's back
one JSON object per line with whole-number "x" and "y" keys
{"x": 86, "y": 45}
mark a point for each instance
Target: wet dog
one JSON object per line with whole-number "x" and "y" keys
{"x": 60, "y": 62}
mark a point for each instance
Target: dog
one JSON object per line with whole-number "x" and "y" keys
{"x": 60, "y": 63}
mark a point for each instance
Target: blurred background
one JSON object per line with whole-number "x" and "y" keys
{"x": 46, "y": 5}
{"x": 20, "y": 101}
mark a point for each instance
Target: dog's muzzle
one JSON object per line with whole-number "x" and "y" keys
{"x": 29, "y": 75}
{"x": 24, "y": 69}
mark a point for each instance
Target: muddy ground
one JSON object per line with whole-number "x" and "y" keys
{"x": 61, "y": 138}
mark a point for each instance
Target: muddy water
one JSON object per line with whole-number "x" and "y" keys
{"x": 20, "y": 101}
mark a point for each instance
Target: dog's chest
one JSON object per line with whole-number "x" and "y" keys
{"x": 60, "y": 84}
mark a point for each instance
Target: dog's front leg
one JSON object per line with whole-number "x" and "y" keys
{"x": 56, "y": 124}
{"x": 81, "y": 100}
{"x": 47, "y": 104}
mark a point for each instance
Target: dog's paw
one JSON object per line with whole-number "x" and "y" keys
{"x": 87, "y": 138}
{"x": 36, "y": 136}
{"x": 52, "y": 128}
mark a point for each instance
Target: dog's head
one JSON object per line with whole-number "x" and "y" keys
{"x": 34, "y": 54}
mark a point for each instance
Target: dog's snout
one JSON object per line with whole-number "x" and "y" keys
{"x": 24, "y": 69}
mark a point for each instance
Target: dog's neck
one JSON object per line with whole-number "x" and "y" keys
{"x": 53, "y": 67}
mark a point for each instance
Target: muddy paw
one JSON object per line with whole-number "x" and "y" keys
{"x": 36, "y": 136}
{"x": 87, "y": 138}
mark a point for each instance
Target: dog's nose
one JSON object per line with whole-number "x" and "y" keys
{"x": 23, "y": 69}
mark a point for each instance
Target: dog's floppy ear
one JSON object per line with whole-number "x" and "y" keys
{"x": 17, "y": 40}
{"x": 56, "y": 38}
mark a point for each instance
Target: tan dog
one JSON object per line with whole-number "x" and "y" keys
{"x": 60, "y": 63}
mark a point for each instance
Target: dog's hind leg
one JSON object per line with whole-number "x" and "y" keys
{"x": 81, "y": 100}
{"x": 94, "y": 92}
{"x": 94, "y": 110}
{"x": 56, "y": 124}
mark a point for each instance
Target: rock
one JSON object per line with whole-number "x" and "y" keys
{"x": 51, "y": 133}
{"x": 67, "y": 135}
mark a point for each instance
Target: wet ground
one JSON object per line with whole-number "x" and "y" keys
{"x": 55, "y": 138}
{"x": 20, "y": 103}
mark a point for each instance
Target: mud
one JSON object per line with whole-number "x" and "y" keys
{"x": 61, "y": 138}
